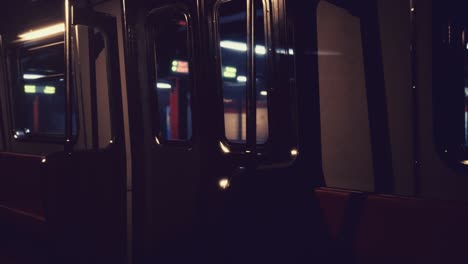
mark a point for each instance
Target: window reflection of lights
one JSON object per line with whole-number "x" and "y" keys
{"x": 264, "y": 93}
{"x": 43, "y": 32}
{"x": 49, "y": 90}
{"x": 224, "y": 183}
{"x": 224, "y": 148}
{"x": 30, "y": 89}
{"x": 28, "y": 76}
{"x": 163, "y": 86}
{"x": 229, "y": 72}
{"x": 241, "y": 78}
{"x": 240, "y": 46}
{"x": 180, "y": 66}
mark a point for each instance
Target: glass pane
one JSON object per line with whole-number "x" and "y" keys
{"x": 39, "y": 98}
{"x": 172, "y": 75}
{"x": 232, "y": 27}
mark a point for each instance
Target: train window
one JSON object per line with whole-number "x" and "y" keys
{"x": 172, "y": 69}
{"x": 38, "y": 80}
{"x": 232, "y": 33}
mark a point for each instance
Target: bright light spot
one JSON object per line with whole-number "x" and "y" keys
{"x": 224, "y": 183}
{"x": 27, "y": 131}
{"x": 44, "y": 160}
{"x": 412, "y": 9}
{"x": 163, "y": 86}
{"x": 224, "y": 148}
{"x": 294, "y": 152}
{"x": 30, "y": 88}
{"x": 111, "y": 141}
{"x": 230, "y": 72}
{"x": 233, "y": 45}
{"x": 49, "y": 90}
{"x": 467, "y": 46}
{"x": 28, "y": 76}
{"x": 264, "y": 93}
{"x": 464, "y": 162}
{"x": 15, "y": 136}
{"x": 241, "y": 78}
{"x": 248, "y": 151}
{"x": 43, "y": 32}
{"x": 291, "y": 52}
{"x": 157, "y": 140}
{"x": 240, "y": 46}
{"x": 260, "y": 50}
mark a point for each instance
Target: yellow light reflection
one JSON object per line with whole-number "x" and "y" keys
{"x": 464, "y": 162}
{"x": 294, "y": 152}
{"x": 224, "y": 148}
{"x": 43, "y": 32}
{"x": 224, "y": 183}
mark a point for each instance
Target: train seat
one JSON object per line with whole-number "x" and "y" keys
{"x": 333, "y": 203}
{"x": 396, "y": 229}
{"x": 21, "y": 197}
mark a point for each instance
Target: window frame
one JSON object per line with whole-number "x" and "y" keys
{"x": 151, "y": 56}
{"x": 235, "y": 147}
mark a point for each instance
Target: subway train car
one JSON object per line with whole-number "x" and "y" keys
{"x": 233, "y": 131}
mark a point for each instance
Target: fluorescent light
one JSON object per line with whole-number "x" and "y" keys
{"x": 30, "y": 88}
{"x": 49, "y": 90}
{"x": 29, "y": 76}
{"x": 241, "y": 78}
{"x": 163, "y": 86}
{"x": 260, "y": 50}
{"x": 43, "y": 32}
{"x": 240, "y": 46}
{"x": 233, "y": 45}
{"x": 264, "y": 93}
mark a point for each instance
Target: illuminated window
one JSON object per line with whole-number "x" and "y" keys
{"x": 38, "y": 86}
{"x": 232, "y": 34}
{"x": 171, "y": 80}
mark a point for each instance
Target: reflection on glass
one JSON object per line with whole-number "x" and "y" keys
{"x": 172, "y": 75}
{"x": 39, "y": 96}
{"x": 232, "y": 26}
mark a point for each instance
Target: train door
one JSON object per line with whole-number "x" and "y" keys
{"x": 168, "y": 127}
{"x": 217, "y": 174}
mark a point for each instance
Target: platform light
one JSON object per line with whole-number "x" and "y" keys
{"x": 49, "y": 90}
{"x": 30, "y": 89}
{"x": 240, "y": 46}
{"x": 241, "y": 78}
{"x": 30, "y": 76}
{"x": 43, "y": 32}
{"x": 264, "y": 93}
{"x": 224, "y": 183}
{"x": 163, "y": 86}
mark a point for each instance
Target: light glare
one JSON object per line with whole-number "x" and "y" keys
{"x": 43, "y": 32}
